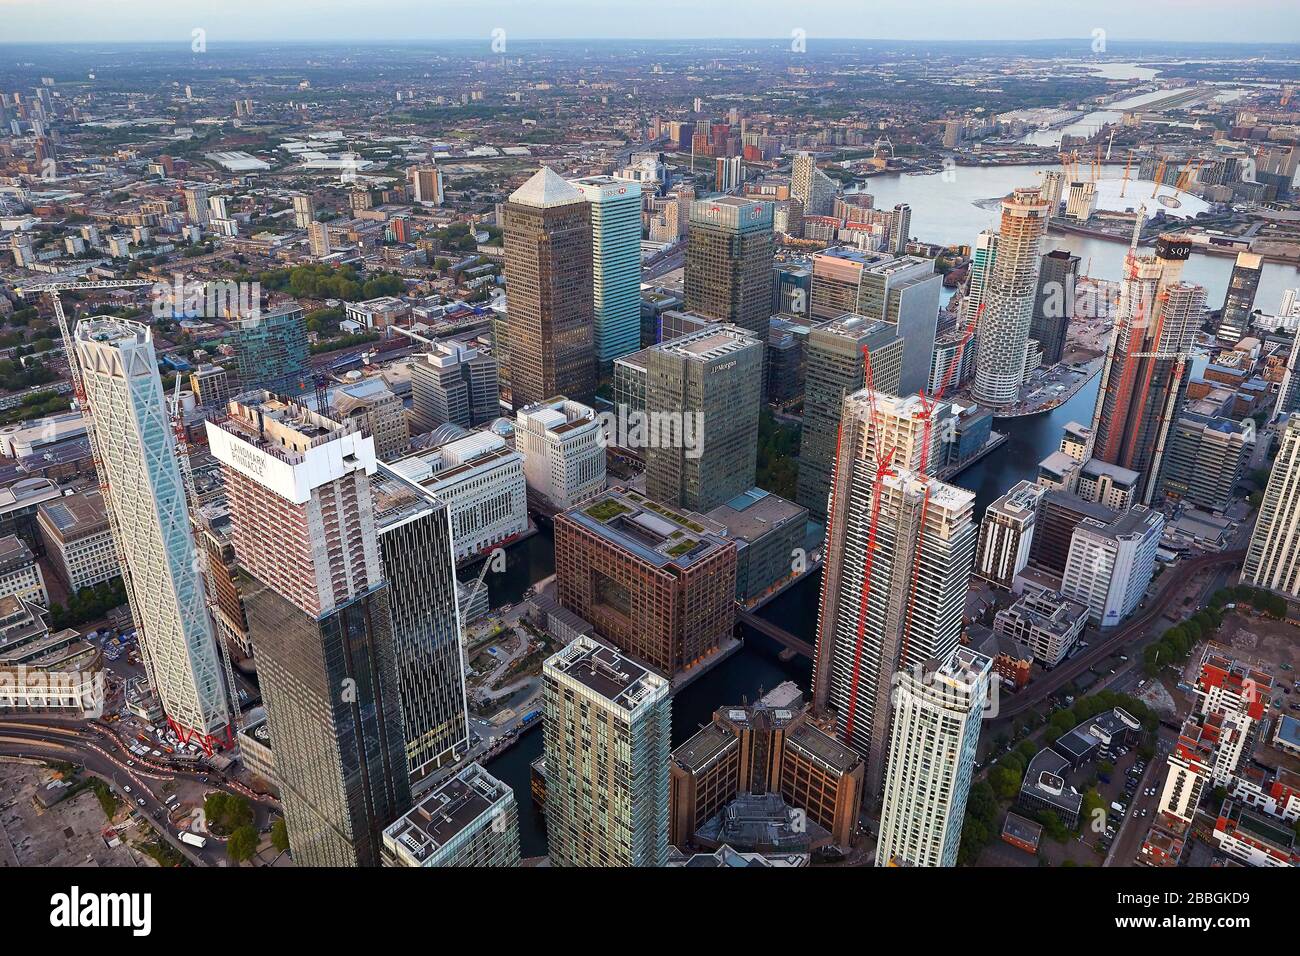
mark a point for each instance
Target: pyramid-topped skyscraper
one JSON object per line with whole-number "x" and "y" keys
{"x": 549, "y": 343}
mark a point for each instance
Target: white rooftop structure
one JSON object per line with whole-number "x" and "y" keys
{"x": 545, "y": 190}
{"x": 1175, "y": 203}
{"x": 237, "y": 161}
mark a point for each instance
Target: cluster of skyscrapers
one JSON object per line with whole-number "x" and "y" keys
{"x": 344, "y": 546}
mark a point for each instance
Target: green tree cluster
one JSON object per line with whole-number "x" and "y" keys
{"x": 242, "y": 845}
{"x": 1177, "y": 642}
{"x": 227, "y": 812}
{"x": 280, "y": 835}
{"x": 980, "y": 824}
{"x": 14, "y": 376}
{"x": 1266, "y": 602}
{"x": 778, "y": 456}
{"x": 343, "y": 342}
{"x": 88, "y": 604}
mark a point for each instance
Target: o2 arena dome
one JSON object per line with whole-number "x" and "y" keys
{"x": 1175, "y": 203}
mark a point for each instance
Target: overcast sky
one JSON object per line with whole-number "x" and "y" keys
{"x": 165, "y": 20}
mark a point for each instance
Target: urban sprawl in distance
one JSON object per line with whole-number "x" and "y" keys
{"x": 402, "y": 441}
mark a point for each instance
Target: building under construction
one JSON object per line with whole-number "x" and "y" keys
{"x": 901, "y": 547}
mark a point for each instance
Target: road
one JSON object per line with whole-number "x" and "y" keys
{"x": 135, "y": 779}
{"x": 1128, "y": 841}
{"x": 1171, "y": 583}
{"x": 664, "y": 265}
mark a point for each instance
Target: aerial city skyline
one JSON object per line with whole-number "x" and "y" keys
{"x": 657, "y": 453}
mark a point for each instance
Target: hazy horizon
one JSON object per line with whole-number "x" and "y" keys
{"x": 411, "y": 21}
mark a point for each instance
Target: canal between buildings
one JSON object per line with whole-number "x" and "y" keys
{"x": 943, "y": 211}
{"x": 756, "y": 667}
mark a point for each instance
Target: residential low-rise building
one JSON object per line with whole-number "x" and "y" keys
{"x": 1046, "y": 622}
{"x": 1253, "y": 838}
{"x": 19, "y": 504}
{"x": 470, "y": 819}
{"x": 42, "y": 669}
{"x": 379, "y": 313}
{"x": 1107, "y": 484}
{"x": 19, "y": 573}
{"x": 1007, "y": 534}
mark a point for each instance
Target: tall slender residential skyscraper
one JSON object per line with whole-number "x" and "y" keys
{"x": 318, "y": 239}
{"x": 937, "y": 711}
{"x": 982, "y": 257}
{"x": 1234, "y": 320}
{"x": 900, "y": 229}
{"x": 318, "y": 611}
{"x": 1288, "y": 394}
{"x": 196, "y": 205}
{"x": 811, "y": 186}
{"x": 304, "y": 211}
{"x": 900, "y": 549}
{"x": 549, "y": 291}
{"x": 1009, "y": 300}
{"x": 608, "y": 726}
{"x": 729, "y": 262}
{"x": 151, "y": 527}
{"x": 616, "y": 264}
{"x": 426, "y": 184}
{"x": 1144, "y": 378}
{"x": 1273, "y": 558}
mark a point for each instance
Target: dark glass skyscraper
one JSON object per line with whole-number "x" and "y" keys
{"x": 415, "y": 545}
{"x": 335, "y": 722}
{"x": 271, "y": 351}
{"x": 1234, "y": 320}
{"x": 549, "y": 291}
{"x": 319, "y": 616}
{"x": 729, "y": 262}
{"x": 1054, "y": 303}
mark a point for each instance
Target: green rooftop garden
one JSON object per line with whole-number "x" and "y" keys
{"x": 607, "y": 509}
